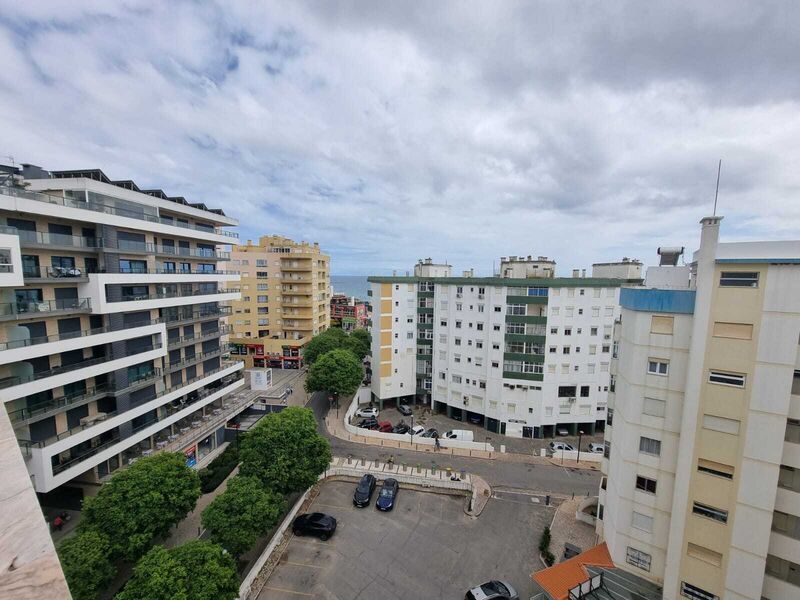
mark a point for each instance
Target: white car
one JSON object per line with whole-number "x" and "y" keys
{"x": 595, "y": 447}
{"x": 559, "y": 446}
{"x": 370, "y": 411}
{"x": 417, "y": 430}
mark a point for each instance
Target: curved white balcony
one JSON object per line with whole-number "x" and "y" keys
{"x": 28, "y": 384}
{"x": 39, "y": 463}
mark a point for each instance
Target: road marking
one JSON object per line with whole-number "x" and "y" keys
{"x": 566, "y": 471}
{"x": 275, "y": 589}
{"x": 330, "y": 505}
{"x": 299, "y": 564}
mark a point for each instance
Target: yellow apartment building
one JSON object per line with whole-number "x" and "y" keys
{"x": 285, "y": 300}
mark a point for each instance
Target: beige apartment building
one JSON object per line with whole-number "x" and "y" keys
{"x": 702, "y": 456}
{"x": 285, "y": 300}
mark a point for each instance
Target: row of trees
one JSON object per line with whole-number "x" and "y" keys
{"x": 139, "y": 505}
{"x": 336, "y": 361}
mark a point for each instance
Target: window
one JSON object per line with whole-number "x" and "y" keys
{"x": 568, "y": 311}
{"x": 738, "y": 279}
{"x": 565, "y": 350}
{"x": 704, "y": 510}
{"x": 458, "y": 341}
{"x": 456, "y": 378}
{"x": 580, "y": 311}
{"x": 704, "y": 554}
{"x": 590, "y": 368}
{"x": 783, "y": 569}
{"x": 567, "y": 330}
{"x": 654, "y": 407}
{"x": 596, "y": 292}
{"x": 609, "y": 311}
{"x": 736, "y": 331}
{"x": 604, "y": 367}
{"x": 692, "y": 591}
{"x": 495, "y": 364}
{"x": 479, "y": 326}
{"x": 649, "y": 446}
{"x": 479, "y": 344}
{"x": 551, "y": 369}
{"x": 553, "y": 349}
{"x": 571, "y": 293}
{"x": 593, "y": 330}
{"x": 554, "y": 330}
{"x": 657, "y": 367}
{"x": 786, "y": 524}
{"x": 661, "y": 324}
{"x": 606, "y": 349}
{"x": 593, "y": 349}
{"x": 495, "y": 346}
{"x": 637, "y": 558}
{"x": 721, "y": 378}
{"x": 515, "y": 309}
{"x": 459, "y": 305}
{"x": 498, "y": 309}
{"x": 584, "y": 391}
{"x": 721, "y": 424}
{"x": 595, "y": 311}
{"x": 606, "y": 449}
{"x": 458, "y": 324}
{"x": 554, "y": 311}
{"x": 511, "y": 409}
{"x": 642, "y": 522}
{"x": 715, "y": 469}
{"x": 457, "y": 358}
{"x": 646, "y": 484}
{"x": 496, "y": 327}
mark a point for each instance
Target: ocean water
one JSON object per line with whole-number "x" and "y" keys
{"x": 352, "y": 285}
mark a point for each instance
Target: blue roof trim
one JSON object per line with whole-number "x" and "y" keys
{"x": 750, "y": 261}
{"x": 661, "y": 301}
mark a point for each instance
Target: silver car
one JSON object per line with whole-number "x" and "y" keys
{"x": 492, "y": 590}
{"x": 596, "y": 448}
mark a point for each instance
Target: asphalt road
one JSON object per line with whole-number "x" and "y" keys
{"x": 498, "y": 473}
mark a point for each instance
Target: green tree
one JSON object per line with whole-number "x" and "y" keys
{"x": 363, "y": 335}
{"x": 328, "y": 340}
{"x": 243, "y": 512}
{"x": 338, "y": 372}
{"x": 197, "y": 570}
{"x": 142, "y": 502}
{"x": 86, "y": 561}
{"x": 285, "y": 451}
{"x": 356, "y": 346}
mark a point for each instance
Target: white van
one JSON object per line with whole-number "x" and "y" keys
{"x": 463, "y": 435}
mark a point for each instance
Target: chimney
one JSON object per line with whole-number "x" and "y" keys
{"x": 576, "y": 273}
{"x": 583, "y": 273}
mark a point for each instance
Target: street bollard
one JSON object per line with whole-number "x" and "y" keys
{"x": 547, "y": 500}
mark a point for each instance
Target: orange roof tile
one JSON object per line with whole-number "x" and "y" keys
{"x": 559, "y": 579}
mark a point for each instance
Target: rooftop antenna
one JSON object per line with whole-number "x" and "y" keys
{"x": 716, "y": 194}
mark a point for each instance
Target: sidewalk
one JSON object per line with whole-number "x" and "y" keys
{"x": 336, "y": 428}
{"x": 566, "y": 528}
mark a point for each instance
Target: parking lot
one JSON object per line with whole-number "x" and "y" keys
{"x": 425, "y": 548}
{"x": 443, "y": 423}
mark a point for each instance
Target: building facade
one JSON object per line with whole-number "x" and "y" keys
{"x": 285, "y": 294}
{"x": 348, "y": 313}
{"x": 702, "y": 465}
{"x": 525, "y": 356}
{"x": 109, "y": 342}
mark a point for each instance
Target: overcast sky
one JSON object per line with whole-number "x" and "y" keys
{"x": 392, "y": 131}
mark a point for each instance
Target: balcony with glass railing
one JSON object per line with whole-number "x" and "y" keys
{"x": 24, "y": 309}
{"x": 33, "y": 274}
{"x": 140, "y": 212}
{"x": 172, "y": 294}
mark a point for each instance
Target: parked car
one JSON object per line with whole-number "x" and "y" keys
{"x": 596, "y": 447}
{"x": 387, "y": 495}
{"x": 492, "y": 590}
{"x": 404, "y": 409}
{"x": 463, "y": 435}
{"x": 456, "y": 416}
{"x": 368, "y": 423}
{"x": 431, "y": 433}
{"x": 317, "y": 524}
{"x": 401, "y": 428}
{"x": 367, "y": 411}
{"x": 385, "y": 427}
{"x": 559, "y": 446}
{"x": 363, "y": 494}
{"x": 562, "y": 431}
{"x": 475, "y": 419}
{"x": 417, "y": 430}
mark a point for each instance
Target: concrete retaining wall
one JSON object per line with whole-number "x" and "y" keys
{"x": 573, "y": 456}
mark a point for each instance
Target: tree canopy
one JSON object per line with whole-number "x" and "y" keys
{"x": 86, "y": 561}
{"x": 363, "y": 335}
{"x": 328, "y": 340}
{"x": 142, "y": 503}
{"x": 285, "y": 451}
{"x": 243, "y": 512}
{"x": 197, "y": 570}
{"x": 356, "y": 345}
{"x": 338, "y": 372}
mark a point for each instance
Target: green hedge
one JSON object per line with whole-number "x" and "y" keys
{"x": 219, "y": 468}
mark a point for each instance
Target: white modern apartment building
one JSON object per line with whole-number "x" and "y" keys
{"x": 701, "y": 492}
{"x": 110, "y": 335}
{"x": 527, "y": 356}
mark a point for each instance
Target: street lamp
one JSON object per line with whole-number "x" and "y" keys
{"x": 412, "y": 430}
{"x": 580, "y": 433}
